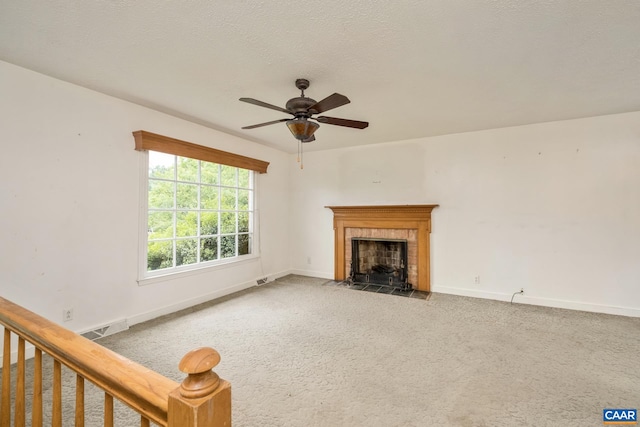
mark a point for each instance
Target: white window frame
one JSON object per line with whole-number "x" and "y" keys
{"x": 147, "y": 277}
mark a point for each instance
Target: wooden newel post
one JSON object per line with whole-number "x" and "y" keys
{"x": 203, "y": 399}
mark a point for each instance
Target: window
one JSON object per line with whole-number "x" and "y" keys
{"x": 199, "y": 210}
{"x": 198, "y": 213}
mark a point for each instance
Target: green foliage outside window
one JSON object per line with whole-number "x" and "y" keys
{"x": 197, "y": 211}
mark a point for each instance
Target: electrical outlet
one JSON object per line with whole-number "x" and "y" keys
{"x": 476, "y": 280}
{"x": 67, "y": 314}
{"x": 308, "y": 260}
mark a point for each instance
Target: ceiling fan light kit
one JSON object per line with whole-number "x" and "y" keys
{"x": 302, "y": 129}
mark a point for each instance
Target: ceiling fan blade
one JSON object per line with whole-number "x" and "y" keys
{"x": 265, "y": 124}
{"x": 342, "y": 122}
{"x": 329, "y": 103}
{"x": 264, "y": 104}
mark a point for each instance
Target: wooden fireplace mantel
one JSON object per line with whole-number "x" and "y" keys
{"x": 413, "y": 217}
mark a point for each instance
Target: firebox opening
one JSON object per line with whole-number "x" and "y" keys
{"x": 379, "y": 261}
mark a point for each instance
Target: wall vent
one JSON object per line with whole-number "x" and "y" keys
{"x": 119, "y": 326}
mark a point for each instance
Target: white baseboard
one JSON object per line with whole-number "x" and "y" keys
{"x": 309, "y": 273}
{"x": 276, "y": 276}
{"x": 181, "y": 305}
{"x": 545, "y": 302}
{"x": 219, "y": 293}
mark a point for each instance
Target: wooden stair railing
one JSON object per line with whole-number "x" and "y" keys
{"x": 203, "y": 399}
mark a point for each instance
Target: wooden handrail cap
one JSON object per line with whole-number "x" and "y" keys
{"x": 199, "y": 360}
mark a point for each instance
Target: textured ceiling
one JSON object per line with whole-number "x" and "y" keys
{"x": 411, "y": 68}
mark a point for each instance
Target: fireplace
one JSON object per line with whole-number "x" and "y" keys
{"x": 379, "y": 261}
{"x": 411, "y": 223}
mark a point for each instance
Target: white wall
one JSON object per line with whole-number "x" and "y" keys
{"x": 552, "y": 208}
{"x": 69, "y": 194}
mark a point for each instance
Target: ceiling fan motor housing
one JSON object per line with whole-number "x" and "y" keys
{"x": 299, "y": 106}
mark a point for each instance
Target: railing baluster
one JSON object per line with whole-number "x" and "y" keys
{"x": 56, "y": 420}
{"x": 144, "y": 422}
{"x": 19, "y": 413}
{"x": 108, "y": 410}
{"x": 5, "y": 408}
{"x": 79, "y": 401}
{"x": 36, "y": 408}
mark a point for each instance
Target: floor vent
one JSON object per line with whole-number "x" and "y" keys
{"x": 104, "y": 331}
{"x": 262, "y": 281}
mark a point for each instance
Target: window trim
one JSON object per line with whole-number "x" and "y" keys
{"x": 164, "y": 144}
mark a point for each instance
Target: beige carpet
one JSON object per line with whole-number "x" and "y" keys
{"x": 299, "y": 352}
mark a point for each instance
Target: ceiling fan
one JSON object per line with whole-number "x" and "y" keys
{"x": 303, "y": 109}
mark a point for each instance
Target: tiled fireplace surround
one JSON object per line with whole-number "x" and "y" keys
{"x": 401, "y": 222}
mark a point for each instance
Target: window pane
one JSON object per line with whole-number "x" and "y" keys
{"x": 228, "y": 200}
{"x": 208, "y": 223}
{"x": 228, "y": 246}
{"x": 161, "y": 165}
{"x": 187, "y": 197}
{"x": 243, "y": 222}
{"x": 227, "y": 222}
{"x": 243, "y": 200}
{"x": 187, "y": 169}
{"x": 208, "y": 197}
{"x": 159, "y": 255}
{"x": 161, "y": 194}
{"x": 209, "y": 173}
{"x": 186, "y": 224}
{"x": 243, "y": 178}
{"x": 228, "y": 176}
{"x": 209, "y": 249}
{"x": 243, "y": 244}
{"x": 186, "y": 251}
{"x": 160, "y": 225}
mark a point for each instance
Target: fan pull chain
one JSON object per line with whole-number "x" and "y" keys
{"x": 298, "y": 160}
{"x": 301, "y": 154}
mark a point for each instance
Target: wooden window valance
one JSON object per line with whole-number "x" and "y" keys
{"x": 164, "y": 144}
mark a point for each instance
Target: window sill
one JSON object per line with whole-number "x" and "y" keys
{"x": 198, "y": 270}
